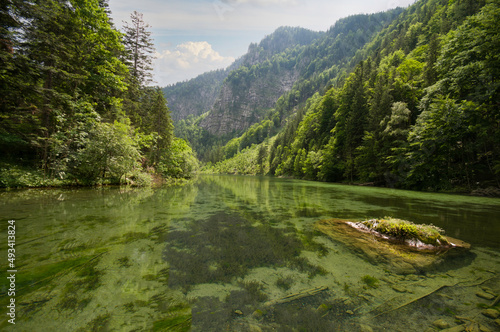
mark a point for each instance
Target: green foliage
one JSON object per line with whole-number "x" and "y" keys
{"x": 208, "y": 147}
{"x": 469, "y": 60}
{"x": 14, "y": 176}
{"x": 440, "y": 144}
{"x": 404, "y": 100}
{"x": 75, "y": 107}
{"x": 283, "y": 71}
{"x": 418, "y": 109}
{"x": 244, "y": 162}
{"x": 255, "y": 134}
{"x": 470, "y": 80}
{"x": 108, "y": 151}
{"x": 179, "y": 161}
{"x": 399, "y": 230}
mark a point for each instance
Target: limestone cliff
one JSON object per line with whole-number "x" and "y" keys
{"x": 267, "y": 71}
{"x": 195, "y": 96}
{"x": 243, "y": 102}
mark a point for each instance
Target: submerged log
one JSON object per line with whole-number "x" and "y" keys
{"x": 401, "y": 256}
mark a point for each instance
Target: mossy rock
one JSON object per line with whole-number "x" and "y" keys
{"x": 405, "y": 254}
{"x": 416, "y": 235}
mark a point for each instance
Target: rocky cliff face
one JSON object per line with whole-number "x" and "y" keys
{"x": 196, "y": 96}
{"x": 267, "y": 71}
{"x": 182, "y": 107}
{"x": 243, "y": 103}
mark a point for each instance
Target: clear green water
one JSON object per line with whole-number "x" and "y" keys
{"x": 222, "y": 253}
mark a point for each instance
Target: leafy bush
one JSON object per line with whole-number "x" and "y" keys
{"x": 14, "y": 176}
{"x": 108, "y": 152}
{"x": 139, "y": 179}
{"x": 179, "y": 162}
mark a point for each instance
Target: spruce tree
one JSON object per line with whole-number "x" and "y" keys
{"x": 139, "y": 47}
{"x": 138, "y": 57}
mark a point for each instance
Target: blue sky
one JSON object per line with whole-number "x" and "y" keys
{"x": 195, "y": 36}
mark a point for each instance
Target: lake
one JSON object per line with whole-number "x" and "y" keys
{"x": 234, "y": 253}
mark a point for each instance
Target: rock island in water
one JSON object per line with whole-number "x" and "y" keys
{"x": 406, "y": 247}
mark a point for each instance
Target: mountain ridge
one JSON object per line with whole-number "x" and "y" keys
{"x": 269, "y": 76}
{"x": 414, "y": 108}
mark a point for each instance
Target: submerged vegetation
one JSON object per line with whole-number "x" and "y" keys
{"x": 226, "y": 246}
{"x": 284, "y": 282}
{"x": 370, "y": 281}
{"x": 230, "y": 253}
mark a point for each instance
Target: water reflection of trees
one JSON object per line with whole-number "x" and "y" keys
{"x": 290, "y": 198}
{"x": 468, "y": 218}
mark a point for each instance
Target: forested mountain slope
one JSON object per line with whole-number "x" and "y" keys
{"x": 287, "y": 57}
{"x": 197, "y": 96}
{"x": 419, "y": 109}
{"x": 284, "y": 76}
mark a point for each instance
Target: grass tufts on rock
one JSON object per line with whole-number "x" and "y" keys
{"x": 406, "y": 230}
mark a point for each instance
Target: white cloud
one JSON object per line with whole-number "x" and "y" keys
{"x": 186, "y": 61}
{"x": 179, "y": 22}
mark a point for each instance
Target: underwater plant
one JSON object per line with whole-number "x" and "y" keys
{"x": 370, "y": 281}
{"x": 284, "y": 283}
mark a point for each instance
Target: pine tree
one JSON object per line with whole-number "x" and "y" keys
{"x": 7, "y": 67}
{"x": 352, "y": 115}
{"x": 138, "y": 50}
{"x": 104, "y": 4}
{"x": 15, "y": 124}
{"x": 7, "y": 21}
{"x": 64, "y": 60}
{"x": 430, "y": 70}
{"x": 139, "y": 47}
{"x": 156, "y": 119}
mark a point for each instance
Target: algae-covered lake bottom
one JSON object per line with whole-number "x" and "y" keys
{"x": 232, "y": 253}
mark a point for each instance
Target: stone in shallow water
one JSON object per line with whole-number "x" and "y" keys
{"x": 399, "y": 289}
{"x": 400, "y": 258}
{"x": 485, "y": 296}
{"x": 491, "y": 313}
{"x": 365, "y": 328}
{"x": 258, "y": 314}
{"x": 441, "y": 324}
